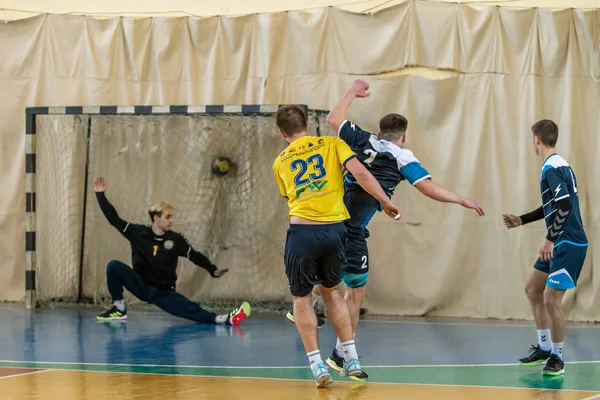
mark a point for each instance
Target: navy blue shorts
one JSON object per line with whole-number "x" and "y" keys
{"x": 361, "y": 206}
{"x": 564, "y": 267}
{"x": 314, "y": 255}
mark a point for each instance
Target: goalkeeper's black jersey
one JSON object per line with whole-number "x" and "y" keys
{"x": 154, "y": 256}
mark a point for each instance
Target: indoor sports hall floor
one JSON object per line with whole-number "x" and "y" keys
{"x": 65, "y": 354}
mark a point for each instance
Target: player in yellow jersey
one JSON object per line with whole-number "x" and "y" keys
{"x": 309, "y": 173}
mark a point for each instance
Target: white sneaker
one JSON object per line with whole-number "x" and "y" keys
{"x": 322, "y": 375}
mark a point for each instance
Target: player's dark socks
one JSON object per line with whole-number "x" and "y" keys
{"x": 537, "y": 356}
{"x": 554, "y": 367}
{"x": 114, "y": 314}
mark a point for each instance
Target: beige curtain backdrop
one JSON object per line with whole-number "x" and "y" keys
{"x": 16, "y": 9}
{"x": 504, "y": 69}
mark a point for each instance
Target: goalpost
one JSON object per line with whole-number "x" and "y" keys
{"x": 150, "y": 153}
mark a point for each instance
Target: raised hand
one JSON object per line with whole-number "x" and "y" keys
{"x": 360, "y": 88}
{"x": 100, "y": 184}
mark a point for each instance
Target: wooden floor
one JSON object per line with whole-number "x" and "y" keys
{"x": 66, "y": 354}
{"x": 81, "y": 385}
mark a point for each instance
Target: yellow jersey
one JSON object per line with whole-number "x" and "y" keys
{"x": 309, "y": 173}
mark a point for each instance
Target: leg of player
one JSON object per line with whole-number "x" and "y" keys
{"x": 339, "y": 316}
{"x": 353, "y": 298}
{"x": 553, "y": 301}
{"x": 320, "y": 321}
{"x": 317, "y": 290}
{"x": 303, "y": 248}
{"x": 180, "y": 306}
{"x": 356, "y": 269}
{"x": 337, "y": 309}
{"x": 119, "y": 276}
{"x": 306, "y": 323}
{"x": 354, "y": 275}
{"x": 565, "y": 266}
{"x": 534, "y": 289}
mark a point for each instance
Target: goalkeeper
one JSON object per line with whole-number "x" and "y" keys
{"x": 155, "y": 250}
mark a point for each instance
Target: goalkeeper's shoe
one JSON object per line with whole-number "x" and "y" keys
{"x": 114, "y": 314}
{"x": 239, "y": 314}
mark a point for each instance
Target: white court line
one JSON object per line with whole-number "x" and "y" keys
{"x": 142, "y": 365}
{"x": 459, "y": 365}
{"x": 281, "y": 379}
{"x": 310, "y": 380}
{"x": 25, "y": 373}
{"x": 474, "y": 324}
{"x": 592, "y": 397}
{"x": 265, "y": 367}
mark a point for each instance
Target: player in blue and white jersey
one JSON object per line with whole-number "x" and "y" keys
{"x": 384, "y": 156}
{"x": 562, "y": 255}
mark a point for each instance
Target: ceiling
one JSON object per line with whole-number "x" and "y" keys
{"x": 18, "y": 9}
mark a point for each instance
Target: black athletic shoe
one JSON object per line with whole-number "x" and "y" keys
{"x": 536, "y": 356}
{"x": 336, "y": 363}
{"x": 114, "y": 314}
{"x": 554, "y": 367}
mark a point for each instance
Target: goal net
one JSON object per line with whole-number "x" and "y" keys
{"x": 146, "y": 154}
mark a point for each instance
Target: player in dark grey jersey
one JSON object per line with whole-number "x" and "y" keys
{"x": 563, "y": 253}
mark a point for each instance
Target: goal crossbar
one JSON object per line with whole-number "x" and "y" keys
{"x": 31, "y": 166}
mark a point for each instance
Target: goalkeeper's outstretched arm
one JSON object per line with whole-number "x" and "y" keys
{"x": 107, "y": 209}
{"x": 186, "y": 250}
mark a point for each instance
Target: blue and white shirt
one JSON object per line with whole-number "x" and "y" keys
{"x": 388, "y": 163}
{"x": 558, "y": 182}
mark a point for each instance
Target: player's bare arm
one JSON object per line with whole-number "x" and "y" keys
{"x": 437, "y": 192}
{"x": 337, "y": 115}
{"x": 370, "y": 184}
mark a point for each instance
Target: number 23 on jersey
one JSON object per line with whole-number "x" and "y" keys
{"x": 318, "y": 171}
